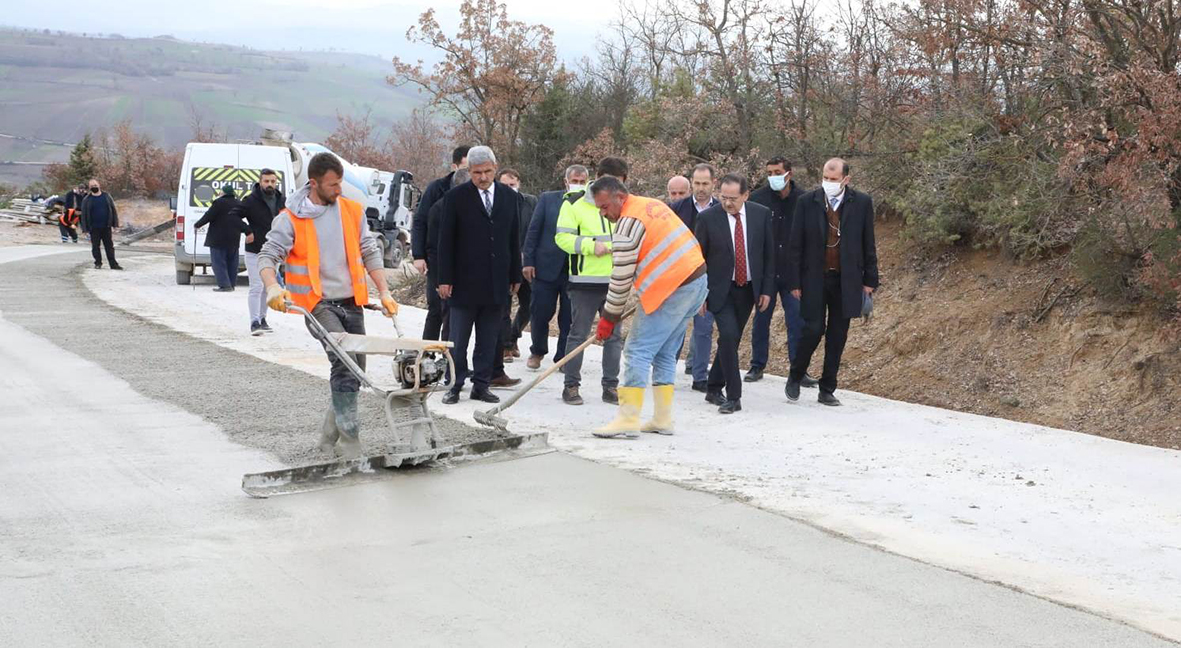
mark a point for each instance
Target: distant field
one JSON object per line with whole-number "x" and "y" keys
{"x": 59, "y": 87}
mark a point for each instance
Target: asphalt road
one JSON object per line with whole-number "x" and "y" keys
{"x": 123, "y": 525}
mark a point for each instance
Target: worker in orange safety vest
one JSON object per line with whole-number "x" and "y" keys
{"x": 325, "y": 242}
{"x": 654, "y": 254}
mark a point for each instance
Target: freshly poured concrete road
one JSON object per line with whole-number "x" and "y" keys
{"x": 123, "y": 525}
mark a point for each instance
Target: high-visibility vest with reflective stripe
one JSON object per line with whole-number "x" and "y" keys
{"x": 303, "y": 262}
{"x": 69, "y": 217}
{"x": 669, "y": 253}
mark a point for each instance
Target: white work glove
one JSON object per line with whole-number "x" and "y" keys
{"x": 389, "y": 307}
{"x": 277, "y": 298}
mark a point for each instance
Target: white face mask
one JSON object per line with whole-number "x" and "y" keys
{"x": 832, "y": 189}
{"x": 777, "y": 182}
{"x": 576, "y": 187}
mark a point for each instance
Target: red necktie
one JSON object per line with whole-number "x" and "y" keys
{"x": 739, "y": 252}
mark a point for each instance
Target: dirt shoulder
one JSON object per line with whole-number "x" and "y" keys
{"x": 134, "y": 214}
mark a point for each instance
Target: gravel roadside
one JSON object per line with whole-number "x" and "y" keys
{"x": 256, "y": 403}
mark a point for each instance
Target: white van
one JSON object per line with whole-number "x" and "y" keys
{"x": 207, "y": 168}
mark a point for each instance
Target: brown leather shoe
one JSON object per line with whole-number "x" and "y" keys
{"x": 505, "y": 381}
{"x": 570, "y": 396}
{"x": 534, "y": 362}
{"x": 508, "y": 356}
{"x": 516, "y": 353}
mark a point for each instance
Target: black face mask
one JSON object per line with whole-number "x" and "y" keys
{"x": 94, "y": 190}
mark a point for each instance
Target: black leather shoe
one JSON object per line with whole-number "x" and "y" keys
{"x": 792, "y": 390}
{"x": 451, "y": 397}
{"x": 754, "y": 375}
{"x": 700, "y": 386}
{"x": 611, "y": 395}
{"x": 98, "y": 266}
{"x": 715, "y": 398}
{"x": 485, "y": 396}
{"x": 809, "y": 382}
{"x": 730, "y": 406}
{"x": 826, "y": 398}
{"x": 688, "y": 369}
{"x": 116, "y": 267}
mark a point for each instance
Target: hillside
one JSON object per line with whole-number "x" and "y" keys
{"x": 54, "y": 88}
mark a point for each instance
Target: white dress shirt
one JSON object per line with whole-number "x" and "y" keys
{"x": 840, "y": 198}
{"x": 745, "y": 240}
{"x": 491, "y": 193}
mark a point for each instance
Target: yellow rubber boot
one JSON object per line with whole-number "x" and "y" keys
{"x": 627, "y": 416}
{"x": 662, "y": 419}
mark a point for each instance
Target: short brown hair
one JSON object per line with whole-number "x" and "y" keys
{"x": 508, "y": 171}
{"x": 322, "y": 163}
{"x": 706, "y": 166}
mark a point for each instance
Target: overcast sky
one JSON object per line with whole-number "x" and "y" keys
{"x": 365, "y": 26}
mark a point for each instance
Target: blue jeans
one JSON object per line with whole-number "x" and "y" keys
{"x": 702, "y": 340}
{"x": 549, "y": 296}
{"x": 652, "y": 344}
{"x": 225, "y": 265}
{"x": 760, "y": 334}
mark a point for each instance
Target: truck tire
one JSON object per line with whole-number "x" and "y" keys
{"x": 184, "y": 277}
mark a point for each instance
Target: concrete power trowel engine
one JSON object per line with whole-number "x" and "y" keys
{"x": 419, "y": 368}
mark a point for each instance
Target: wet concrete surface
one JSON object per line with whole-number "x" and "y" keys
{"x": 258, "y": 404}
{"x": 124, "y": 526}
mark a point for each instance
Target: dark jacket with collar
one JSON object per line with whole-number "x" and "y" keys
{"x": 113, "y": 220}
{"x": 540, "y": 250}
{"x": 225, "y": 226}
{"x": 434, "y": 219}
{"x": 258, "y": 215}
{"x": 418, "y": 226}
{"x": 479, "y": 255}
{"x": 806, "y": 246}
{"x": 783, "y": 210}
{"x": 686, "y": 208}
{"x": 717, "y": 245}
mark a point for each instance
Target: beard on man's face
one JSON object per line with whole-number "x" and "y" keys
{"x": 327, "y": 199}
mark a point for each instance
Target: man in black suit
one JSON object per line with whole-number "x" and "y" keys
{"x": 479, "y": 268}
{"x": 833, "y": 266}
{"x": 739, "y": 248}
{"x": 419, "y": 226}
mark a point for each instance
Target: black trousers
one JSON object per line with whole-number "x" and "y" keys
{"x": 438, "y": 323}
{"x": 731, "y": 322}
{"x": 513, "y": 324}
{"x": 102, "y": 235}
{"x": 67, "y": 231}
{"x": 341, "y": 316}
{"x": 547, "y": 298}
{"x": 486, "y": 322}
{"x": 835, "y": 332}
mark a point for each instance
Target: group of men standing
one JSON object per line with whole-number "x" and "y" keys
{"x": 813, "y": 252}
{"x": 778, "y": 243}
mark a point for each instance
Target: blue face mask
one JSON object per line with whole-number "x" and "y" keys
{"x": 777, "y": 182}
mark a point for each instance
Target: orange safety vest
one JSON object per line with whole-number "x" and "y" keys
{"x": 669, "y": 253}
{"x": 303, "y": 262}
{"x": 69, "y": 218}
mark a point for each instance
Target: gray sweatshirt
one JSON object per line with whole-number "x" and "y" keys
{"x": 334, "y": 264}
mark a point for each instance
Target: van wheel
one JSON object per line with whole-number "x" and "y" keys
{"x": 184, "y": 277}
